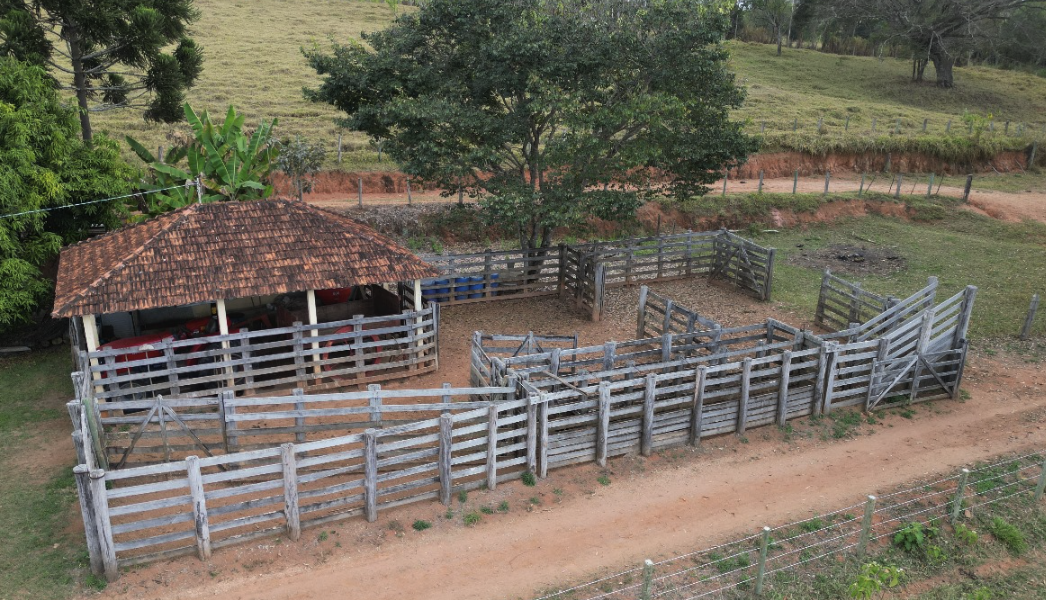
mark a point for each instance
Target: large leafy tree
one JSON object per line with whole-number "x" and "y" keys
{"x": 109, "y": 53}
{"x": 548, "y": 110}
{"x": 45, "y": 165}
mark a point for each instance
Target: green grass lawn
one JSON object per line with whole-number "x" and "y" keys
{"x": 253, "y": 60}
{"x": 1006, "y": 261}
{"x": 41, "y": 555}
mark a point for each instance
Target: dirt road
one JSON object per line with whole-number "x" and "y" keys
{"x": 663, "y": 506}
{"x": 1000, "y": 205}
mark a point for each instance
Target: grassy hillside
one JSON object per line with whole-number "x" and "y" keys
{"x": 253, "y": 60}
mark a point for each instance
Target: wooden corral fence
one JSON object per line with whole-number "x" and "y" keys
{"x": 584, "y": 272}
{"x": 486, "y": 347}
{"x": 547, "y": 407}
{"x": 355, "y": 351}
{"x": 658, "y": 315}
{"x": 842, "y": 303}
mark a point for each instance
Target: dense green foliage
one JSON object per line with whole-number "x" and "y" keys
{"x": 43, "y": 164}
{"x": 550, "y": 112}
{"x": 300, "y": 160}
{"x": 109, "y": 53}
{"x": 230, "y": 164}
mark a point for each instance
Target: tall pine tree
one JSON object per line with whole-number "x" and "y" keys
{"x": 110, "y": 53}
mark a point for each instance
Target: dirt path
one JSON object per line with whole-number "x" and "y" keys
{"x": 1000, "y": 205}
{"x": 669, "y": 504}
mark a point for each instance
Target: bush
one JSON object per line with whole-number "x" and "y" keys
{"x": 472, "y": 518}
{"x": 529, "y": 479}
{"x": 420, "y": 525}
{"x": 1008, "y": 535}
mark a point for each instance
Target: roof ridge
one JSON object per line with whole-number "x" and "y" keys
{"x": 174, "y": 217}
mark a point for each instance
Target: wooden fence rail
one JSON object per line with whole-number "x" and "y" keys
{"x": 552, "y": 407}
{"x": 355, "y": 351}
{"x": 585, "y": 271}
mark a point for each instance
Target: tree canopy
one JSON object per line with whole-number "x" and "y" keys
{"x": 109, "y": 53}
{"x": 43, "y": 165}
{"x": 549, "y": 111}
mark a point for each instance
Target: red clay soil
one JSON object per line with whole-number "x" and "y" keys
{"x": 671, "y": 503}
{"x": 784, "y": 164}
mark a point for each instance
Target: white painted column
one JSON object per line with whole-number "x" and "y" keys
{"x": 223, "y": 329}
{"x": 311, "y": 298}
{"x": 417, "y": 308}
{"x": 91, "y": 338}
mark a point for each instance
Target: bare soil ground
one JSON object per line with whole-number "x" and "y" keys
{"x": 570, "y": 527}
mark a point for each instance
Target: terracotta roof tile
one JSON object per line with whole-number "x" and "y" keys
{"x": 226, "y": 250}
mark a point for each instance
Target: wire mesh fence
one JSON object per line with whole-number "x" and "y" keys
{"x": 750, "y": 564}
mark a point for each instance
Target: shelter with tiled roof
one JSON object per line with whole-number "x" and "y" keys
{"x": 208, "y": 253}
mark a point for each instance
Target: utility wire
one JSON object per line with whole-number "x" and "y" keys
{"x": 51, "y": 208}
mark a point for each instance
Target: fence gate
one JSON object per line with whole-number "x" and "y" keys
{"x": 903, "y": 376}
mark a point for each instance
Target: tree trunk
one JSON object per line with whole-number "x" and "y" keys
{"x": 943, "y": 66}
{"x": 79, "y": 81}
{"x": 778, "y": 40}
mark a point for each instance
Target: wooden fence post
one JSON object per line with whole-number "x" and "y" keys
{"x": 742, "y": 406}
{"x": 666, "y": 325}
{"x": 299, "y": 419}
{"x": 822, "y": 372}
{"x": 646, "y": 441}
{"x": 299, "y": 349}
{"x": 603, "y": 428}
{"x": 641, "y": 312}
{"x": 648, "y": 579}
{"x": 764, "y": 546}
{"x": 860, "y": 190}
{"x": 795, "y": 182}
{"x": 228, "y": 425}
{"x": 543, "y": 437}
{"x": 698, "y": 404}
{"x": 760, "y": 191}
{"x": 103, "y": 526}
{"x": 492, "y": 446}
{"x": 967, "y": 188}
{"x": 609, "y": 355}
{"x": 959, "y": 492}
{"x": 782, "y": 391}
{"x": 597, "y": 291}
{"x": 446, "y": 443}
{"x": 370, "y": 475}
{"x": 831, "y": 371}
{"x": 82, "y": 475}
{"x": 361, "y": 192}
{"x": 532, "y": 438}
{"x": 768, "y": 286}
{"x": 962, "y": 326}
{"x": 290, "y": 490}
{"x": 199, "y": 507}
{"x": 1042, "y": 482}
{"x": 819, "y": 316}
{"x": 172, "y": 366}
{"x": 827, "y": 180}
{"x": 375, "y": 403}
{"x": 866, "y": 526}
{"x": 410, "y": 197}
{"x": 666, "y": 347}
{"x": 561, "y": 280}
{"x": 1029, "y": 320}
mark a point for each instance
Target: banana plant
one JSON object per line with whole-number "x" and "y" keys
{"x": 229, "y": 164}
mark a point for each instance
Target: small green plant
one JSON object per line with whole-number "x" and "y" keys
{"x": 965, "y": 535}
{"x": 964, "y": 395}
{"x": 528, "y": 479}
{"x": 603, "y": 480}
{"x": 744, "y": 439}
{"x": 421, "y": 525}
{"x": 1008, "y": 535}
{"x": 486, "y": 510}
{"x": 907, "y": 413}
{"x": 322, "y": 537}
{"x": 812, "y": 525}
{"x": 395, "y": 525}
{"x": 449, "y": 514}
{"x": 98, "y": 583}
{"x": 463, "y": 496}
{"x": 535, "y": 501}
{"x": 936, "y": 554}
{"x": 472, "y": 518}
{"x": 981, "y": 593}
{"x": 557, "y": 491}
{"x": 913, "y": 536}
{"x": 873, "y": 579}
{"x": 503, "y": 507}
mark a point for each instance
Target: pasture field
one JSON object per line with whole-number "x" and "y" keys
{"x": 254, "y": 61}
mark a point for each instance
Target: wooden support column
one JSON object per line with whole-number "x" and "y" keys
{"x": 417, "y": 322}
{"x": 91, "y": 339}
{"x": 782, "y": 392}
{"x": 199, "y": 507}
{"x": 925, "y": 332}
{"x": 603, "y": 430}
{"x": 223, "y": 329}
{"x": 310, "y": 297}
{"x": 290, "y": 491}
{"x": 446, "y": 442}
{"x": 492, "y": 446}
{"x": 543, "y": 438}
{"x": 370, "y": 475}
{"x": 742, "y": 407}
{"x": 831, "y": 370}
{"x": 646, "y": 441}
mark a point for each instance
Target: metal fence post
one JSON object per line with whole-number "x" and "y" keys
{"x": 957, "y": 500}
